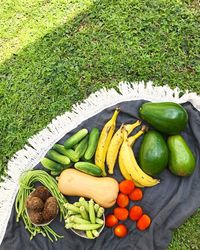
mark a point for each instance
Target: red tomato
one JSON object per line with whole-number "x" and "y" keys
{"x": 121, "y": 213}
{"x": 126, "y": 186}
{"x": 121, "y": 231}
{"x": 135, "y": 213}
{"x": 136, "y": 194}
{"x": 144, "y": 222}
{"x": 111, "y": 220}
{"x": 122, "y": 200}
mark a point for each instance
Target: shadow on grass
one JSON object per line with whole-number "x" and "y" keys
{"x": 108, "y": 43}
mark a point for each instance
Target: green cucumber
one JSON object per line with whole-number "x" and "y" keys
{"x": 88, "y": 168}
{"x": 51, "y": 165}
{"x": 55, "y": 173}
{"x": 75, "y": 138}
{"x": 70, "y": 153}
{"x": 90, "y": 160}
{"x": 68, "y": 165}
{"x": 63, "y": 168}
{"x": 92, "y": 144}
{"x": 75, "y": 146}
{"x": 55, "y": 156}
{"x": 167, "y": 117}
{"x": 82, "y": 146}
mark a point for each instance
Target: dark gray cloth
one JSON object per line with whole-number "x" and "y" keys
{"x": 169, "y": 204}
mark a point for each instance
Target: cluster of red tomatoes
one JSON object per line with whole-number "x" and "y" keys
{"x": 128, "y": 192}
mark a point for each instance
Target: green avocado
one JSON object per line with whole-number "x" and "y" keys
{"x": 153, "y": 153}
{"x": 167, "y": 117}
{"x": 181, "y": 159}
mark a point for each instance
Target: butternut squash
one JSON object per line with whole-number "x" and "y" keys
{"x": 103, "y": 190}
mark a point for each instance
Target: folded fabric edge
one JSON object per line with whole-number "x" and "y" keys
{"x": 38, "y": 145}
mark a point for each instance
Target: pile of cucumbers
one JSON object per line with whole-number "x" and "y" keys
{"x": 168, "y": 119}
{"x": 78, "y": 151}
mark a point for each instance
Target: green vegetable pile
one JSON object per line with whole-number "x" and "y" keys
{"x": 86, "y": 216}
{"x": 27, "y": 181}
{"x": 79, "y": 149}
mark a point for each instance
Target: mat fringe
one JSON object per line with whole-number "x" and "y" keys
{"x": 38, "y": 145}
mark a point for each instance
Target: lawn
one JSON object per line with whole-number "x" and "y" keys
{"x": 55, "y": 53}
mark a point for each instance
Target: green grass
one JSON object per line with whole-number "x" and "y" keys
{"x": 55, "y": 53}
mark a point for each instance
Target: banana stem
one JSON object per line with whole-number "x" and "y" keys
{"x": 131, "y": 127}
{"x": 114, "y": 117}
{"x": 132, "y": 139}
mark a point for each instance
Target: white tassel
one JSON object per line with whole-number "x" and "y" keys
{"x": 28, "y": 157}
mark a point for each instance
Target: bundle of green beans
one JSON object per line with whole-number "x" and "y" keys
{"x": 85, "y": 215}
{"x": 26, "y": 186}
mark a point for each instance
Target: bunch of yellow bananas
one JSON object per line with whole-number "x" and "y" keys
{"x": 104, "y": 141}
{"x": 129, "y": 165}
{"x": 109, "y": 146}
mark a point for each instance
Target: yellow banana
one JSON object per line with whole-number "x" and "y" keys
{"x": 133, "y": 138}
{"x": 130, "y": 127}
{"x": 132, "y": 167}
{"x": 104, "y": 141}
{"x": 138, "y": 184}
{"x": 116, "y": 143}
{"x": 125, "y": 173}
{"x": 113, "y": 149}
{"x": 122, "y": 168}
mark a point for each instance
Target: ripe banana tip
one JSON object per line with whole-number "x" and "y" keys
{"x": 157, "y": 182}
